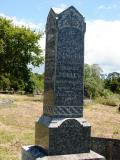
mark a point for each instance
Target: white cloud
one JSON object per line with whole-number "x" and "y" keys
{"x": 102, "y": 7}
{"x": 59, "y": 9}
{"x": 23, "y": 22}
{"x": 42, "y": 42}
{"x": 102, "y": 44}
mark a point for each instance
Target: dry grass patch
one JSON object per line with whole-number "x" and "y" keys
{"x": 17, "y": 123}
{"x": 105, "y": 120}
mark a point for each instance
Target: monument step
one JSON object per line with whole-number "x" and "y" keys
{"x": 37, "y": 153}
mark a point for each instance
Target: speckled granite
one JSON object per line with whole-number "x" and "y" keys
{"x": 62, "y": 130}
{"x": 64, "y": 64}
{"x": 63, "y": 135}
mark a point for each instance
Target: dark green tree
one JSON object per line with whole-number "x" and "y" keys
{"x": 38, "y": 80}
{"x": 112, "y": 82}
{"x": 19, "y": 47}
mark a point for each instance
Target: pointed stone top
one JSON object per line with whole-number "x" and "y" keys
{"x": 51, "y": 13}
{"x": 71, "y": 8}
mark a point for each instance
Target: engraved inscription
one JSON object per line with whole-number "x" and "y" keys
{"x": 71, "y": 18}
{"x": 69, "y": 69}
{"x": 64, "y": 60}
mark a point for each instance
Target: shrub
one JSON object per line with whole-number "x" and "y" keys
{"x": 111, "y": 100}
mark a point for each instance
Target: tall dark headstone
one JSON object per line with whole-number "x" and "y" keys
{"x": 62, "y": 130}
{"x": 64, "y": 62}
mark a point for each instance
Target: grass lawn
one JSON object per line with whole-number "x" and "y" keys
{"x": 17, "y": 122}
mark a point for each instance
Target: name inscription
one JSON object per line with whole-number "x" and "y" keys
{"x": 69, "y": 69}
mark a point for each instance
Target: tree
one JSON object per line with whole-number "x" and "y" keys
{"x": 18, "y": 47}
{"x": 38, "y": 80}
{"x": 112, "y": 82}
{"x": 93, "y": 84}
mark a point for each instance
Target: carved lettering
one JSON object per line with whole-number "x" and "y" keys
{"x": 64, "y": 63}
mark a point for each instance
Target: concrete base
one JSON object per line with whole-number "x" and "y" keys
{"x": 37, "y": 153}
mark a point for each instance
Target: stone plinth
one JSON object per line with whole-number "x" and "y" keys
{"x": 35, "y": 153}
{"x": 63, "y": 135}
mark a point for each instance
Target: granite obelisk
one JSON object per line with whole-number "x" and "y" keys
{"x": 65, "y": 131}
{"x": 62, "y": 130}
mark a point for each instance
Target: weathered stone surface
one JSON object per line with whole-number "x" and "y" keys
{"x": 108, "y": 147}
{"x": 63, "y": 136}
{"x": 28, "y": 153}
{"x": 63, "y": 92}
{"x": 62, "y": 130}
{"x": 32, "y": 152}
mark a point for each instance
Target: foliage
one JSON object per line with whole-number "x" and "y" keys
{"x": 101, "y": 88}
{"x": 110, "y": 100}
{"x": 18, "y": 47}
{"x": 4, "y": 81}
{"x": 112, "y": 82}
{"x": 38, "y": 80}
{"x": 93, "y": 83}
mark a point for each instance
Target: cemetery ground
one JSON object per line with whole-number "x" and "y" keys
{"x": 17, "y": 121}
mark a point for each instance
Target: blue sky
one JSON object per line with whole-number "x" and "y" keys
{"x": 102, "y": 18}
{"x": 37, "y": 10}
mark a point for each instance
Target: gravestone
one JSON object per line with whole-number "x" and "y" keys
{"x": 62, "y": 130}
{"x": 64, "y": 61}
{"x": 63, "y": 92}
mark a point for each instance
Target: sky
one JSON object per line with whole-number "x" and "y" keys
{"x": 102, "y": 37}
